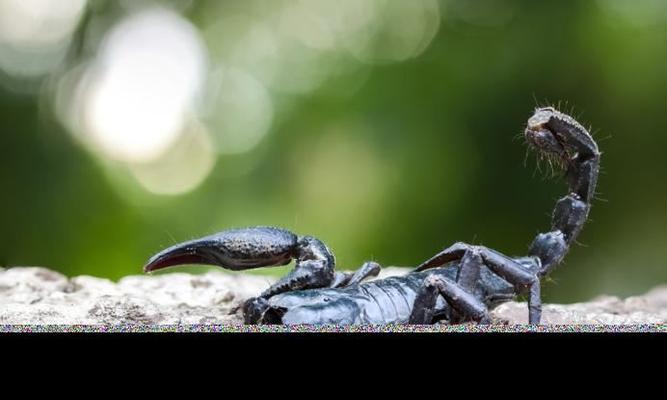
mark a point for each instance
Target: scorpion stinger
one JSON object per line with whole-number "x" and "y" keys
{"x": 551, "y": 133}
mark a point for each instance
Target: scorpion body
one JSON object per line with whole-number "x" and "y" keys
{"x": 382, "y": 301}
{"x": 461, "y": 283}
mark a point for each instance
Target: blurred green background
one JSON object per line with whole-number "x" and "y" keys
{"x": 389, "y": 129}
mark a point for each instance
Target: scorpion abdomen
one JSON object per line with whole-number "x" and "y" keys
{"x": 387, "y": 300}
{"x": 391, "y": 300}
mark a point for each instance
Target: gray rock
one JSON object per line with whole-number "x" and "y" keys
{"x": 39, "y": 296}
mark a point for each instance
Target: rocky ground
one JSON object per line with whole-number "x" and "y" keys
{"x": 39, "y": 296}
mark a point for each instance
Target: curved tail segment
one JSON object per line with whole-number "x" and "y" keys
{"x": 553, "y": 133}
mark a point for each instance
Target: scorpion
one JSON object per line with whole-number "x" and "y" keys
{"x": 460, "y": 284}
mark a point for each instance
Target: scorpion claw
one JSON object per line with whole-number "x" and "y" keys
{"x": 194, "y": 252}
{"x": 235, "y": 249}
{"x": 246, "y": 248}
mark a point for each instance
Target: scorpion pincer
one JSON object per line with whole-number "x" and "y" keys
{"x": 459, "y": 284}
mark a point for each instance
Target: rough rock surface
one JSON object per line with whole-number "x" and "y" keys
{"x": 39, "y": 296}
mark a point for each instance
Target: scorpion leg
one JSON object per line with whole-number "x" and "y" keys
{"x": 368, "y": 269}
{"x": 524, "y": 277}
{"x": 453, "y": 253}
{"x": 462, "y": 301}
{"x": 460, "y": 294}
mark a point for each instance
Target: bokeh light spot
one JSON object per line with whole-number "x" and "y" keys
{"x": 244, "y": 42}
{"x": 37, "y": 23}
{"x": 34, "y": 34}
{"x": 395, "y": 30}
{"x": 637, "y": 12}
{"x": 241, "y": 111}
{"x": 305, "y": 22}
{"x": 146, "y": 79}
{"x": 183, "y": 167}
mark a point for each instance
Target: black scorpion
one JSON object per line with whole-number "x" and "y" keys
{"x": 459, "y": 284}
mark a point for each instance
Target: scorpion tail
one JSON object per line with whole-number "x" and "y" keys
{"x": 235, "y": 249}
{"x": 553, "y": 133}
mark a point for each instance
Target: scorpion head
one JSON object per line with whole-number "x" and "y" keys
{"x": 541, "y": 138}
